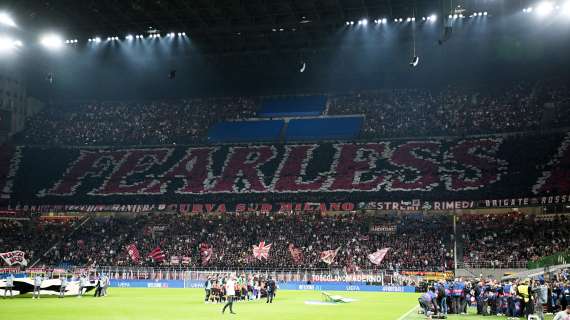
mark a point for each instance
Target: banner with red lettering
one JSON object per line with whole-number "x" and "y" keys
{"x": 425, "y": 175}
{"x": 14, "y": 257}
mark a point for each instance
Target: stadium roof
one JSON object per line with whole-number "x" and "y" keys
{"x": 222, "y": 25}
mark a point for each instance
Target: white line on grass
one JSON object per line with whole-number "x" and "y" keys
{"x": 405, "y": 315}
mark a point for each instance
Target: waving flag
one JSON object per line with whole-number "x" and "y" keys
{"x": 157, "y": 255}
{"x": 262, "y": 250}
{"x": 296, "y": 254}
{"x": 378, "y": 256}
{"x": 133, "y": 252}
{"x": 14, "y": 257}
{"x": 206, "y": 253}
{"x": 329, "y": 255}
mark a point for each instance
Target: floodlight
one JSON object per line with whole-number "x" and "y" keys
{"x": 51, "y": 41}
{"x": 8, "y": 44}
{"x": 7, "y": 20}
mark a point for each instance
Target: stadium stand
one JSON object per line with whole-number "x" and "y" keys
{"x": 295, "y": 106}
{"x": 391, "y": 113}
{"x": 341, "y": 128}
{"x": 246, "y": 131}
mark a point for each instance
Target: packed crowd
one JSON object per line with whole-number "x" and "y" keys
{"x": 506, "y": 238}
{"x": 453, "y": 111}
{"x": 414, "y": 243}
{"x": 389, "y": 113}
{"x": 515, "y": 298}
{"x": 130, "y": 123}
{"x": 421, "y": 242}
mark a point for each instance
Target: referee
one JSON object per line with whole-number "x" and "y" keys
{"x": 230, "y": 293}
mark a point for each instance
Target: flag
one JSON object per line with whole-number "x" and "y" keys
{"x": 206, "y": 253}
{"x": 329, "y": 255}
{"x": 174, "y": 260}
{"x": 157, "y": 255}
{"x": 186, "y": 260}
{"x": 378, "y": 256}
{"x": 296, "y": 254}
{"x": 133, "y": 252}
{"x": 261, "y": 251}
{"x": 14, "y": 257}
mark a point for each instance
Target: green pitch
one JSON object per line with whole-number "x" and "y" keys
{"x": 173, "y": 304}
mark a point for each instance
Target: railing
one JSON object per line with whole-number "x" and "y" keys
{"x": 380, "y": 277}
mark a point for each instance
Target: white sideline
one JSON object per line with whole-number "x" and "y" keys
{"x": 408, "y": 313}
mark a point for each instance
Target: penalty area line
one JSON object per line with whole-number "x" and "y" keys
{"x": 405, "y": 315}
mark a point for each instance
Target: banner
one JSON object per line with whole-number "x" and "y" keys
{"x": 329, "y": 255}
{"x": 292, "y": 207}
{"x": 383, "y": 228}
{"x": 377, "y": 257}
{"x": 261, "y": 251}
{"x": 14, "y": 257}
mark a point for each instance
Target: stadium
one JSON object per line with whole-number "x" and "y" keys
{"x": 290, "y": 159}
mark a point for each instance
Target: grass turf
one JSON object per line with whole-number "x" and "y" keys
{"x": 173, "y": 304}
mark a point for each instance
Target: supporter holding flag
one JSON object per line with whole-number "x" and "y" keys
{"x": 206, "y": 253}
{"x": 296, "y": 254}
{"x": 377, "y": 257}
{"x": 133, "y": 252}
{"x": 261, "y": 251}
{"x": 157, "y": 255}
{"x": 328, "y": 256}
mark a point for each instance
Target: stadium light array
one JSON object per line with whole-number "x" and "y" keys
{"x": 129, "y": 37}
{"x": 544, "y": 8}
{"x": 8, "y": 44}
{"x": 363, "y": 22}
{"x": 432, "y": 18}
{"x": 7, "y": 20}
{"x": 51, "y": 41}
